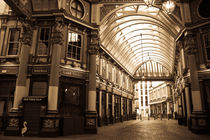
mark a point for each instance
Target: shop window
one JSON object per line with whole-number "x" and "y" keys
{"x": 2, "y": 107}
{"x": 208, "y": 95}
{"x": 74, "y": 46}
{"x": 77, "y": 9}
{"x": 142, "y": 104}
{"x": 39, "y": 88}
{"x": 207, "y": 45}
{"x": 117, "y": 77}
{"x": 146, "y": 100}
{"x": 13, "y": 42}
{"x": 43, "y": 42}
{"x": 72, "y": 101}
{"x": 72, "y": 95}
{"x": 7, "y": 89}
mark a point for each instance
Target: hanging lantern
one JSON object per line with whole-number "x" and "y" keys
{"x": 149, "y": 2}
{"x": 169, "y": 6}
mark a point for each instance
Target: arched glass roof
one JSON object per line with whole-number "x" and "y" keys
{"x": 137, "y": 35}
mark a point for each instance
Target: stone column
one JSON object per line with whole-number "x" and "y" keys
{"x": 198, "y": 120}
{"x": 113, "y": 104}
{"x": 128, "y": 106}
{"x": 188, "y": 103}
{"x": 107, "y": 108}
{"x": 57, "y": 38}
{"x": 168, "y": 108}
{"x": 21, "y": 83}
{"x": 100, "y": 103}
{"x": 91, "y": 114}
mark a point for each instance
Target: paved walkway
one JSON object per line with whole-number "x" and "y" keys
{"x": 132, "y": 130}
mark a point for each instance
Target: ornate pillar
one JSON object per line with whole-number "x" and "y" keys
{"x": 113, "y": 102}
{"x": 14, "y": 118}
{"x": 57, "y": 39}
{"x": 187, "y": 101}
{"x": 100, "y": 107}
{"x": 121, "y": 108}
{"x": 107, "y": 109}
{"x": 198, "y": 120}
{"x": 21, "y": 83}
{"x": 91, "y": 114}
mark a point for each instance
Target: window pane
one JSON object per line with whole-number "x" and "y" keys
{"x": 13, "y": 49}
{"x": 42, "y": 34}
{"x": 72, "y": 95}
{"x": 39, "y": 89}
{"x": 74, "y": 45}
{"x": 47, "y": 34}
{"x": 43, "y": 45}
{"x": 42, "y": 49}
{"x": 13, "y": 43}
{"x": 207, "y": 45}
{"x": 2, "y": 107}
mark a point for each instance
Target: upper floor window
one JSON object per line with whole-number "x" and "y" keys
{"x": 104, "y": 68}
{"x": 39, "y": 88}
{"x": 44, "y": 41}
{"x": 13, "y": 42}
{"x": 74, "y": 46}
{"x": 207, "y": 45}
{"x": 77, "y": 9}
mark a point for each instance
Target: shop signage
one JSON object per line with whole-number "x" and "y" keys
{"x": 40, "y": 70}
{"x": 33, "y": 99}
{"x": 74, "y": 73}
{"x": 8, "y": 70}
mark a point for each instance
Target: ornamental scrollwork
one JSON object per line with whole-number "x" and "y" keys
{"x": 57, "y": 34}
{"x": 94, "y": 42}
{"x": 27, "y": 34}
{"x": 189, "y": 44}
{"x": 13, "y": 122}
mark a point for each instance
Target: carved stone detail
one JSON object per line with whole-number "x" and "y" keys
{"x": 13, "y": 122}
{"x": 48, "y": 123}
{"x": 27, "y": 34}
{"x": 94, "y": 42}
{"x": 189, "y": 44}
{"x": 57, "y": 35}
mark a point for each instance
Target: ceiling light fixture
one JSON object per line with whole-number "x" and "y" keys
{"x": 168, "y": 6}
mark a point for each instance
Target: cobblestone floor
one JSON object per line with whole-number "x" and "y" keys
{"x": 132, "y": 130}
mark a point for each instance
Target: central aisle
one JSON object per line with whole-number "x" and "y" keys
{"x": 132, "y": 130}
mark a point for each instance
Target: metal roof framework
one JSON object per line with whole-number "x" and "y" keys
{"x": 141, "y": 38}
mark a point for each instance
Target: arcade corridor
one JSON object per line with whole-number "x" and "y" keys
{"x": 75, "y": 67}
{"x": 132, "y": 130}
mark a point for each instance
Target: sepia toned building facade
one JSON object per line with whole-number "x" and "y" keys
{"x": 161, "y": 101}
{"x": 69, "y": 66}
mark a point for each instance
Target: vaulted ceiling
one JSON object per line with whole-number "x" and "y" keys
{"x": 140, "y": 38}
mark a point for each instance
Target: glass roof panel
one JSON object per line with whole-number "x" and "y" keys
{"x": 134, "y": 34}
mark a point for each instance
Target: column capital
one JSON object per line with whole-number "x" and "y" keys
{"x": 189, "y": 43}
{"x": 94, "y": 42}
{"x": 57, "y": 35}
{"x": 27, "y": 34}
